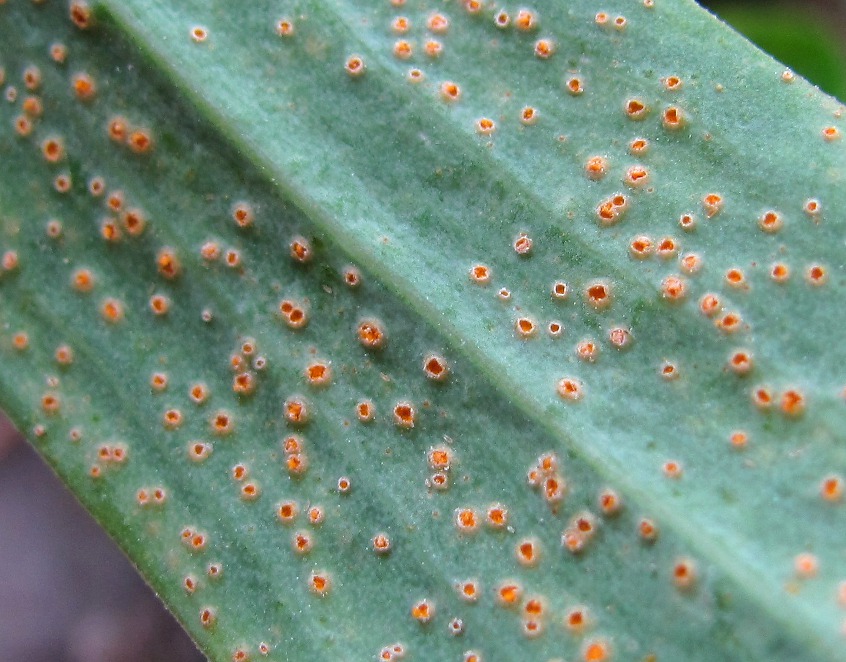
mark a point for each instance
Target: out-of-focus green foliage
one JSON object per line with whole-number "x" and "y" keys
{"x": 798, "y": 35}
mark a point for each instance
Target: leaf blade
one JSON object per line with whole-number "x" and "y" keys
{"x": 492, "y": 349}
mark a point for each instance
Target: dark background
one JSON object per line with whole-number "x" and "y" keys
{"x": 67, "y": 594}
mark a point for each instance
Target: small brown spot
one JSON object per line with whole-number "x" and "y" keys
{"x": 244, "y": 383}
{"x": 50, "y": 403}
{"x": 831, "y": 133}
{"x": 297, "y": 464}
{"x": 208, "y": 617}
{"x": 740, "y": 362}
{"x": 168, "y": 264}
{"x": 381, "y": 543}
{"x": 641, "y": 247}
{"x": 466, "y": 520}
{"x": 53, "y": 150}
{"x": 812, "y": 207}
{"x": 576, "y": 619}
{"x": 302, "y": 542}
{"x": 243, "y": 214}
{"x": 691, "y": 263}
{"x": 158, "y": 381}
{"x": 198, "y": 393}
{"x": 112, "y": 310}
{"x": 354, "y": 66}
{"x": 780, "y": 272}
{"x": 636, "y": 109}
{"x": 117, "y": 129}
{"x": 525, "y": 327}
{"x": 365, "y": 411}
{"x": 371, "y": 334}
{"x": 673, "y": 118}
{"x": 285, "y": 27}
{"x": 620, "y": 338}
{"x": 318, "y": 373}
{"x": 544, "y": 49}
{"x": 636, "y": 176}
{"x": 666, "y": 248}
{"x": 739, "y": 439}
{"x": 770, "y": 221}
{"x": 570, "y": 389}
{"x": 609, "y": 502}
{"x": 140, "y": 141}
{"x": 712, "y": 203}
{"x": 84, "y": 86}
{"x": 687, "y": 222}
{"x": 793, "y": 403}
{"x": 806, "y": 565}
{"x": 672, "y": 469}
{"x": 684, "y": 574}
{"x": 199, "y": 34}
{"x": 352, "y": 276}
{"x": 762, "y": 397}
{"x": 831, "y": 488}
{"x": 404, "y": 415}
{"x": 673, "y": 288}
{"x": 320, "y": 583}
{"x": 198, "y": 451}
{"x": 423, "y": 611}
{"x": 672, "y": 83}
{"x": 58, "y": 53}
{"x": 648, "y": 530}
{"x": 596, "y": 167}
{"x": 729, "y": 323}
{"x": 287, "y": 511}
{"x": 296, "y": 410}
{"x": 433, "y": 48}
{"x": 523, "y": 244}
{"x": 159, "y": 304}
{"x": 508, "y": 593}
{"x": 526, "y": 20}
{"x": 527, "y": 552}
{"x": 80, "y": 14}
{"x": 735, "y": 277}
{"x": 598, "y": 294}
{"x": 300, "y": 249}
{"x": 435, "y": 367}
{"x": 62, "y": 183}
{"x": 468, "y": 590}
{"x": 528, "y": 115}
{"x": 480, "y": 273}
{"x": 816, "y": 274}
{"x": 450, "y": 91}
{"x": 575, "y": 86}
{"x": 222, "y": 423}
{"x": 709, "y": 305}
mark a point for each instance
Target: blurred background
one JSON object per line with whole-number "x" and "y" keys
{"x": 68, "y": 595}
{"x": 807, "y": 35}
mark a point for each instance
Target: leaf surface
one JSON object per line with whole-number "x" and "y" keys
{"x": 384, "y": 171}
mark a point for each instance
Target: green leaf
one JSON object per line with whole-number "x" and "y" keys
{"x": 336, "y": 154}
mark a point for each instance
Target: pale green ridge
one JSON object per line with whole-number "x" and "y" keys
{"x": 186, "y": 186}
